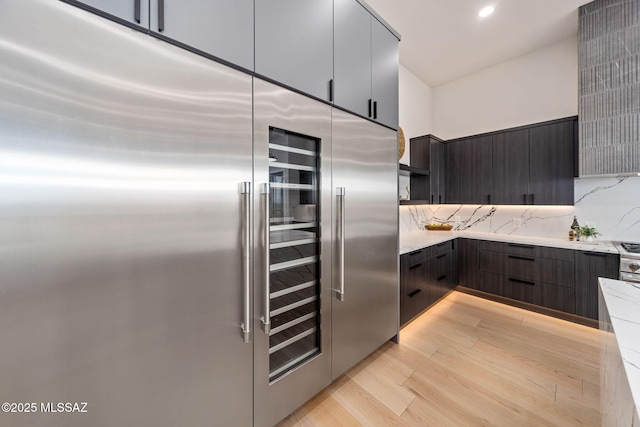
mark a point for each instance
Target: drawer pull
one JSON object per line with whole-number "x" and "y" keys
{"x": 441, "y": 256}
{"x": 414, "y": 293}
{"x": 524, "y": 282}
{"x": 415, "y": 266}
{"x": 524, "y": 258}
{"x": 444, "y": 276}
{"x": 517, "y": 245}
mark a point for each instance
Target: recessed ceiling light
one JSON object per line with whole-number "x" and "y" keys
{"x": 486, "y": 11}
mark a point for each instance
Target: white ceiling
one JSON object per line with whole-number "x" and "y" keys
{"x": 444, "y": 40}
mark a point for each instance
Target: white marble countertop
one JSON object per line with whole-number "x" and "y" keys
{"x": 623, "y": 304}
{"x": 415, "y": 240}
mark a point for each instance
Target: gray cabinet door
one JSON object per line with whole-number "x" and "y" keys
{"x": 294, "y": 43}
{"x": 133, "y": 11}
{"x": 220, "y": 28}
{"x": 352, "y": 56}
{"x": 368, "y": 315}
{"x": 384, "y": 74}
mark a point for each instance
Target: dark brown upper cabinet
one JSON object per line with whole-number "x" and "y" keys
{"x": 551, "y": 164}
{"x": 476, "y": 174}
{"x": 452, "y": 152}
{"x": 511, "y": 168}
{"x": 530, "y": 165}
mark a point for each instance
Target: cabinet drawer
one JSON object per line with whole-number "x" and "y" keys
{"x": 558, "y": 298}
{"x": 523, "y": 267}
{"x": 487, "y": 245}
{"x": 556, "y": 253}
{"x": 557, "y": 272}
{"x": 522, "y": 290}
{"x": 439, "y": 249}
{"x": 415, "y": 257}
{"x": 491, "y": 283}
{"x": 521, "y": 249}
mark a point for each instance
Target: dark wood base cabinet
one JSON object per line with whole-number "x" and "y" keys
{"x": 426, "y": 276}
{"x": 590, "y": 266}
{"x": 563, "y": 280}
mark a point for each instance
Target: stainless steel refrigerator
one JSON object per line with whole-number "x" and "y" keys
{"x": 180, "y": 243}
{"x": 121, "y": 225}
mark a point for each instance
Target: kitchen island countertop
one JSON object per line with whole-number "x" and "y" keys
{"x": 620, "y": 319}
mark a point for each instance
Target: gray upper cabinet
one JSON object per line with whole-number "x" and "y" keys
{"x": 294, "y": 44}
{"x": 133, "y": 11}
{"x": 220, "y": 28}
{"x": 352, "y": 55}
{"x": 366, "y": 64}
{"x": 384, "y": 74}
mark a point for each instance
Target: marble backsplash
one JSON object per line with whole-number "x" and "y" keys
{"x": 612, "y": 204}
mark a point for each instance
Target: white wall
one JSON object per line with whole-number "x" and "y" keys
{"x": 539, "y": 86}
{"x": 415, "y": 107}
{"x": 414, "y": 114}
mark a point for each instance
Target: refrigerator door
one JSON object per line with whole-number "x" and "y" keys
{"x": 365, "y": 303}
{"x": 121, "y": 225}
{"x": 292, "y": 274}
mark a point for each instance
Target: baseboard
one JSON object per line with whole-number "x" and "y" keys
{"x": 531, "y": 307}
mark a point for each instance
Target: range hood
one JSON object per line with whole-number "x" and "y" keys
{"x": 609, "y": 116}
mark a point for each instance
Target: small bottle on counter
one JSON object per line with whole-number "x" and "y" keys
{"x": 574, "y": 233}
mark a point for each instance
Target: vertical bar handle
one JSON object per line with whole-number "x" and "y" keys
{"x": 245, "y": 191}
{"x": 266, "y": 242}
{"x": 331, "y": 90}
{"x": 375, "y": 110}
{"x": 161, "y": 15}
{"x": 340, "y": 199}
{"x": 136, "y": 11}
{"x": 370, "y": 107}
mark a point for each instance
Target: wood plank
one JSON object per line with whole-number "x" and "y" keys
{"x": 472, "y": 362}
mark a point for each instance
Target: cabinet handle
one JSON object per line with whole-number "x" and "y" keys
{"x": 136, "y": 11}
{"x": 245, "y": 326}
{"x": 439, "y": 199}
{"x": 340, "y": 198}
{"x": 524, "y": 258}
{"x": 375, "y": 110}
{"x": 415, "y": 266}
{"x": 370, "y": 107}
{"x": 414, "y": 293}
{"x": 444, "y": 276}
{"x": 489, "y": 198}
{"x": 441, "y": 256}
{"x": 524, "y": 282}
{"x": 432, "y": 199}
{"x": 331, "y": 90}
{"x": 161, "y": 15}
{"x": 266, "y": 242}
{"x": 518, "y": 245}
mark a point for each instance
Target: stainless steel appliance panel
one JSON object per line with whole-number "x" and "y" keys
{"x": 365, "y": 161}
{"x": 120, "y": 225}
{"x": 275, "y": 107}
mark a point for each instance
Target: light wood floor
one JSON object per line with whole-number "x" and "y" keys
{"x": 469, "y": 362}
